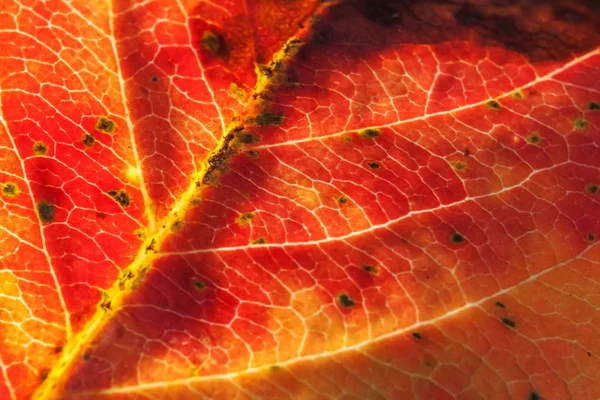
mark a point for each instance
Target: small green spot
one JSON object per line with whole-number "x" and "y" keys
{"x": 534, "y": 138}
{"x": 517, "y": 94}
{"x": 40, "y": 149}
{"x": 591, "y": 237}
{"x": 373, "y": 165}
{"x": 259, "y": 241}
{"x": 459, "y": 166}
{"x": 371, "y": 269}
{"x": 343, "y": 200}
{"x": 370, "y": 133}
{"x": 345, "y": 300}
{"x": 238, "y": 92}
{"x": 211, "y": 42}
{"x": 417, "y": 335}
{"x": 177, "y": 225}
{"x": 199, "y": 285}
{"x": 10, "y": 189}
{"x": 245, "y": 218}
{"x": 580, "y": 123}
{"x": 592, "y": 189}
{"x": 509, "y": 322}
{"x": 45, "y": 211}
{"x": 592, "y": 105}
{"x": 88, "y": 140}
{"x": 268, "y": 118}
{"x": 105, "y": 125}
{"x": 457, "y": 238}
{"x": 493, "y": 105}
{"x": 534, "y": 396}
{"x": 499, "y": 304}
{"x": 120, "y": 197}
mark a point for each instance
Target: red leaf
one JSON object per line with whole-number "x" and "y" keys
{"x": 266, "y": 199}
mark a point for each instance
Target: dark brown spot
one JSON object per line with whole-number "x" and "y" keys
{"x": 10, "y": 189}
{"x": 88, "y": 140}
{"x": 121, "y": 197}
{"x": 509, "y": 322}
{"x": 457, "y": 238}
{"x": 45, "y": 211}
{"x": 211, "y": 42}
{"x": 493, "y": 105}
{"x": 417, "y": 335}
{"x": 500, "y": 305}
{"x": 345, "y": 300}
{"x": 592, "y": 189}
{"x": 40, "y": 149}
{"x": 259, "y": 241}
{"x": 370, "y": 133}
{"x": 373, "y": 165}
{"x": 106, "y": 125}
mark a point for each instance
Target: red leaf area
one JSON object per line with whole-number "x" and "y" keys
{"x": 299, "y": 200}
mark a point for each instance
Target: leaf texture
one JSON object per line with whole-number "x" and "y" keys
{"x": 303, "y": 199}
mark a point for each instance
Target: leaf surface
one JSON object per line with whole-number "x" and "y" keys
{"x": 272, "y": 199}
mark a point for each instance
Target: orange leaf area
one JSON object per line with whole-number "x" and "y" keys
{"x": 299, "y": 200}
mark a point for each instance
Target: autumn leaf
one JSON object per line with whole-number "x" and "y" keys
{"x": 299, "y": 199}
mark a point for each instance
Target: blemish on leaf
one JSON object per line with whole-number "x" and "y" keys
{"x": 591, "y": 237}
{"x": 345, "y": 300}
{"x": 106, "y": 125}
{"x": 88, "y": 140}
{"x": 371, "y": 269}
{"x": 467, "y": 152}
{"x": 44, "y": 374}
{"x": 211, "y": 42}
{"x": 259, "y": 241}
{"x": 417, "y": 335}
{"x": 370, "y": 133}
{"x": 237, "y": 92}
{"x": 592, "y": 105}
{"x": 592, "y": 189}
{"x": 246, "y": 137}
{"x": 269, "y": 118}
{"x": 252, "y": 153}
{"x": 275, "y": 368}
{"x": 534, "y": 138}
{"x": 373, "y": 165}
{"x": 87, "y": 356}
{"x": 40, "y": 148}
{"x": 150, "y": 247}
{"x": 459, "y": 166}
{"x": 121, "y": 197}
{"x": 343, "y": 200}
{"x": 517, "y": 94}
{"x": 500, "y": 304}
{"x": 199, "y": 285}
{"x": 58, "y": 349}
{"x": 534, "y": 396}
{"x": 580, "y": 123}
{"x": 45, "y": 211}
{"x": 10, "y": 189}
{"x": 493, "y": 105}
{"x": 509, "y": 322}
{"x": 457, "y": 238}
{"x": 154, "y": 79}
{"x": 177, "y": 225}
{"x": 140, "y": 233}
{"x": 245, "y": 219}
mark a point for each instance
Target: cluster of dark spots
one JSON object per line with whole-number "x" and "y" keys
{"x": 106, "y": 125}
{"x": 417, "y": 335}
{"x": 371, "y": 269}
{"x": 219, "y": 160}
{"x": 126, "y": 276}
{"x": 292, "y": 46}
{"x": 245, "y": 218}
{"x": 500, "y": 304}
{"x": 177, "y": 225}
{"x": 345, "y": 300}
{"x": 580, "y": 123}
{"x": 493, "y": 105}
{"x": 140, "y": 233}
{"x": 150, "y": 247}
{"x": 88, "y": 140}
{"x": 212, "y": 43}
{"x": 268, "y": 118}
{"x": 199, "y": 285}
{"x": 121, "y": 197}
{"x": 137, "y": 280}
{"x": 370, "y": 133}
{"x": 509, "y": 322}
{"x": 40, "y": 148}
{"x": 592, "y": 189}
{"x": 10, "y": 189}
{"x": 534, "y": 138}
{"x": 381, "y": 12}
{"x": 592, "y": 105}
{"x": 591, "y": 237}
{"x": 105, "y": 303}
{"x": 459, "y": 166}
{"x": 259, "y": 241}
{"x": 246, "y": 137}
{"x": 457, "y": 238}
{"x": 45, "y": 211}
{"x": 343, "y": 200}
{"x": 373, "y": 164}
{"x": 44, "y": 374}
